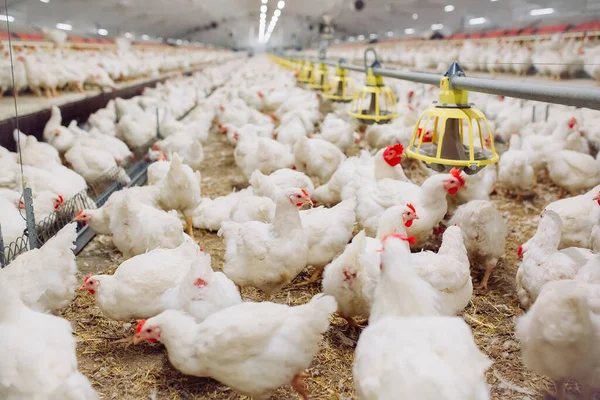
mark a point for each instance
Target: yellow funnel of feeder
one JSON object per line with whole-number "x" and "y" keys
{"x": 453, "y": 133}
{"x": 320, "y": 78}
{"x": 375, "y": 102}
{"x": 341, "y": 86}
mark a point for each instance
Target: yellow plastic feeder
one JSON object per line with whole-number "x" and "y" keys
{"x": 374, "y": 103}
{"x": 453, "y": 122}
{"x": 320, "y": 78}
{"x": 341, "y": 88}
{"x": 306, "y": 73}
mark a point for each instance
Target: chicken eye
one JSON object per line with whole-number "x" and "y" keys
{"x": 298, "y": 196}
{"x": 148, "y": 330}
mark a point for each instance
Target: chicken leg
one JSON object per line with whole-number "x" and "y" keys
{"x": 299, "y": 385}
{"x": 354, "y": 324}
{"x": 313, "y": 278}
{"x": 486, "y": 276}
{"x": 189, "y": 226}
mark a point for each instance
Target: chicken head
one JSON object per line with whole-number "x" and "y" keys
{"x": 58, "y": 201}
{"x": 409, "y": 215}
{"x": 91, "y": 284}
{"x": 83, "y": 217}
{"x": 393, "y": 154}
{"x": 455, "y": 182}
{"x": 597, "y": 198}
{"x": 146, "y": 332}
{"x": 299, "y": 197}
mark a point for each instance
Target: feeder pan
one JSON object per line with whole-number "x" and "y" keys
{"x": 320, "y": 80}
{"x": 454, "y": 122}
{"x": 341, "y": 87}
{"x": 306, "y": 73}
{"x": 375, "y": 102}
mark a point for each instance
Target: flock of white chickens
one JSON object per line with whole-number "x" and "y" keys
{"x": 366, "y": 215}
{"x": 52, "y": 69}
{"x": 556, "y": 57}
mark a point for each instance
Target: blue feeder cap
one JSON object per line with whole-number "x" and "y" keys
{"x": 376, "y": 64}
{"x": 455, "y": 69}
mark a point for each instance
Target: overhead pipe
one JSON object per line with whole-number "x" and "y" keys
{"x": 548, "y": 93}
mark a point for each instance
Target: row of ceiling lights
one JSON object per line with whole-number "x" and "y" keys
{"x": 265, "y": 35}
{"x": 437, "y": 27}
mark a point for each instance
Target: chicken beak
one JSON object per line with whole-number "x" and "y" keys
{"x": 416, "y": 217}
{"x": 310, "y": 203}
{"x": 82, "y": 287}
{"x": 597, "y": 197}
{"x": 137, "y": 339}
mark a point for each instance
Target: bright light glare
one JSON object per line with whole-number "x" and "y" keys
{"x": 9, "y": 18}
{"x": 128, "y": 35}
{"x": 351, "y": 39}
{"x": 415, "y": 16}
{"x": 409, "y": 31}
{"x": 437, "y": 27}
{"x": 64, "y": 27}
{"x": 361, "y": 37}
{"x": 145, "y": 37}
{"x": 449, "y": 8}
{"x": 390, "y": 34}
{"x": 277, "y": 13}
{"x": 265, "y": 1}
{"x": 263, "y": 9}
{"x": 45, "y": 1}
{"x": 281, "y": 4}
{"x": 541, "y": 11}
{"x": 102, "y": 32}
{"x": 477, "y": 21}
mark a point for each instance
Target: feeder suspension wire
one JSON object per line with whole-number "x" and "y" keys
{"x": 12, "y": 70}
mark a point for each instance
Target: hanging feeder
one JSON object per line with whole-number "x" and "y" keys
{"x": 341, "y": 87}
{"x": 374, "y": 103}
{"x": 320, "y": 78}
{"x": 306, "y": 73}
{"x": 440, "y": 134}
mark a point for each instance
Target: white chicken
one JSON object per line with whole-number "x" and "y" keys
{"x": 337, "y": 131}
{"x": 572, "y": 171}
{"x": 180, "y": 190}
{"x": 202, "y": 291}
{"x": 136, "y": 287}
{"x": 317, "y": 157}
{"x": 211, "y": 213}
{"x": 137, "y": 227}
{"x": 271, "y": 185}
{"x": 429, "y": 199}
{"x": 559, "y": 334}
{"x": 45, "y": 278}
{"x": 543, "y": 262}
{"x": 39, "y": 360}
{"x": 92, "y": 163}
{"x": 263, "y": 154}
{"x": 484, "y": 234}
{"x": 514, "y": 169}
{"x": 579, "y": 215}
{"x": 235, "y": 345}
{"x": 268, "y": 256}
{"x": 403, "y": 353}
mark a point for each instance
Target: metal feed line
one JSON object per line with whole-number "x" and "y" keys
{"x": 549, "y": 93}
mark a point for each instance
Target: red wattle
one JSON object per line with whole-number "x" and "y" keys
{"x": 408, "y": 223}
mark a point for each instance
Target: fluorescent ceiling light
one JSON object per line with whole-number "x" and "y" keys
{"x": 277, "y": 13}
{"x": 64, "y": 27}
{"x": 275, "y": 19}
{"x": 409, "y": 31}
{"x": 102, "y": 32}
{"x": 493, "y": 1}
{"x": 179, "y": 42}
{"x": 477, "y": 21}
{"x": 45, "y": 1}
{"x": 264, "y": 1}
{"x": 361, "y": 37}
{"x": 373, "y": 36}
{"x": 449, "y": 8}
{"x": 437, "y": 27}
{"x": 281, "y": 4}
{"x": 415, "y": 16}
{"x": 128, "y": 35}
{"x": 263, "y": 9}
{"x": 351, "y": 39}
{"x": 8, "y": 18}
{"x": 145, "y": 37}
{"x": 390, "y": 34}
{"x": 541, "y": 11}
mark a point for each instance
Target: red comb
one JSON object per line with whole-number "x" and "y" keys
{"x": 87, "y": 277}
{"x": 393, "y": 154}
{"x": 457, "y": 173}
{"x": 61, "y": 199}
{"x": 200, "y": 282}
{"x": 140, "y": 325}
{"x": 572, "y": 122}
{"x": 305, "y": 192}
{"x": 411, "y": 94}
{"x": 409, "y": 205}
{"x": 409, "y": 239}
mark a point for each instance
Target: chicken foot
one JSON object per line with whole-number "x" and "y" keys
{"x": 354, "y": 324}
{"x": 313, "y": 278}
{"x": 299, "y": 385}
{"x": 189, "y": 226}
{"x": 486, "y": 276}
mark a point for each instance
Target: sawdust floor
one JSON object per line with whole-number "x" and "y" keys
{"x": 120, "y": 371}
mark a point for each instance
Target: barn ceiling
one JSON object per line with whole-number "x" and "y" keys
{"x": 236, "y": 22}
